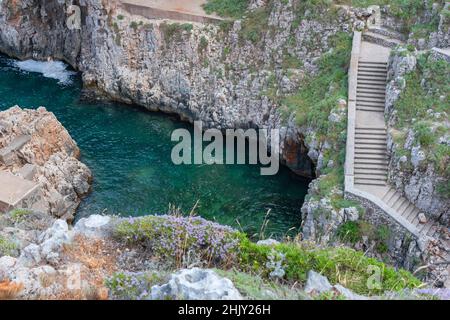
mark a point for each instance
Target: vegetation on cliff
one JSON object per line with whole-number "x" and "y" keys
{"x": 181, "y": 241}
{"x": 422, "y": 109}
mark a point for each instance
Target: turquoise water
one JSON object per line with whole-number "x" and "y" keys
{"x": 128, "y": 151}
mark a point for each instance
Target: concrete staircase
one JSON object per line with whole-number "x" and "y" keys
{"x": 370, "y": 141}
{"x": 370, "y": 158}
{"x": 384, "y": 37}
{"x": 408, "y": 211}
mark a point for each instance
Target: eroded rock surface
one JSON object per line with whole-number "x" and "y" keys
{"x": 47, "y": 156}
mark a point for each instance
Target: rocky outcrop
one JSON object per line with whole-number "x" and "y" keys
{"x": 196, "y": 284}
{"x": 410, "y": 168}
{"x": 48, "y": 156}
{"x": 431, "y": 20}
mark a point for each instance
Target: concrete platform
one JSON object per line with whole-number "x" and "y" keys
{"x": 16, "y": 192}
{"x": 374, "y": 52}
{"x": 183, "y": 10}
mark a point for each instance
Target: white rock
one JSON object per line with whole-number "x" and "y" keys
{"x": 196, "y": 284}
{"x": 316, "y": 283}
{"x": 7, "y": 262}
{"x": 30, "y": 255}
{"x": 348, "y": 294}
{"x": 58, "y": 229}
{"x": 268, "y": 242}
{"x": 94, "y": 226}
{"x": 417, "y": 156}
{"x": 351, "y": 214}
{"x": 422, "y": 218}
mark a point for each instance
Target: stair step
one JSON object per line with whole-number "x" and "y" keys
{"x": 408, "y": 211}
{"x": 371, "y": 171}
{"x": 413, "y": 215}
{"x": 371, "y": 131}
{"x": 368, "y": 70}
{"x": 377, "y": 68}
{"x": 369, "y": 104}
{"x": 369, "y": 182}
{"x": 370, "y": 162}
{"x": 397, "y": 196}
{"x": 372, "y": 128}
{"x": 371, "y": 177}
{"x": 388, "y": 197}
{"x": 399, "y": 203}
{"x": 426, "y": 228}
{"x": 371, "y": 136}
{"x": 363, "y": 146}
{"x": 415, "y": 221}
{"x": 368, "y": 75}
{"x": 369, "y": 100}
{"x": 370, "y": 109}
{"x": 369, "y": 141}
{"x": 370, "y": 167}
{"x": 381, "y": 40}
{"x": 388, "y": 194}
{"x": 372, "y": 63}
{"x": 370, "y": 157}
{"x": 388, "y": 32}
{"x": 403, "y": 207}
{"x": 372, "y": 95}
{"x": 360, "y": 151}
{"x": 371, "y": 82}
{"x": 372, "y": 77}
{"x": 370, "y": 89}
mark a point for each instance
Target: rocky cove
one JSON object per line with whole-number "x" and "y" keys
{"x": 190, "y": 69}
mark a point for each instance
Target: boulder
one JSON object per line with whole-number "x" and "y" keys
{"x": 95, "y": 226}
{"x": 196, "y": 284}
{"x": 268, "y": 242}
{"x": 316, "y": 283}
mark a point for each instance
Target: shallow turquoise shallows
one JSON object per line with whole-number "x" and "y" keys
{"x": 128, "y": 150}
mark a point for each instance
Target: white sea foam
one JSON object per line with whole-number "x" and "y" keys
{"x": 49, "y": 69}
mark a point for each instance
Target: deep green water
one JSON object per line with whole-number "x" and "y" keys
{"x": 128, "y": 151}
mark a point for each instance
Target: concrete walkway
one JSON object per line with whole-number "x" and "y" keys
{"x": 182, "y": 10}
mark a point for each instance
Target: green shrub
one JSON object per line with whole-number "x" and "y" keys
{"x": 203, "y": 44}
{"x": 132, "y": 286}
{"x": 254, "y": 25}
{"x": 181, "y": 241}
{"x": 227, "y": 8}
{"x": 349, "y": 232}
{"x": 7, "y": 247}
{"x": 172, "y": 238}
{"x": 19, "y": 214}
{"x": 319, "y": 94}
{"x": 426, "y": 89}
{"x": 340, "y": 265}
{"x": 174, "y": 30}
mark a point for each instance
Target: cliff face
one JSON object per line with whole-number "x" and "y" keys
{"x": 419, "y": 130}
{"x": 45, "y": 154}
{"x": 229, "y": 75}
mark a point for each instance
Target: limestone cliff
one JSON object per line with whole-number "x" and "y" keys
{"x": 229, "y": 75}
{"x": 46, "y": 155}
{"x": 419, "y": 130}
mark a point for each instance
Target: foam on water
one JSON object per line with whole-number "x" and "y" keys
{"x": 49, "y": 69}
